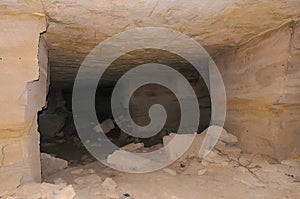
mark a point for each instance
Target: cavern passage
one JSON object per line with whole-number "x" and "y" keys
{"x": 255, "y": 46}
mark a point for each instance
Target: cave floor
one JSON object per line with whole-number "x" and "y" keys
{"x": 249, "y": 176}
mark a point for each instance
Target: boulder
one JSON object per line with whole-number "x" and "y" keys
{"x": 51, "y": 124}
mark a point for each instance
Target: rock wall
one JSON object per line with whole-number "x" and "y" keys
{"x": 23, "y": 88}
{"x": 262, "y": 84}
{"x": 145, "y": 97}
{"x": 289, "y": 110}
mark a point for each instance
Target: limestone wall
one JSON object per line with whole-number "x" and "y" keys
{"x": 23, "y": 83}
{"x": 262, "y": 84}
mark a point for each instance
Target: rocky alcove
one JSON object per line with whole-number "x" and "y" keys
{"x": 255, "y": 46}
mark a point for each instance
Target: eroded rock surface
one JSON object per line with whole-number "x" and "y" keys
{"x": 262, "y": 86}
{"x": 76, "y": 27}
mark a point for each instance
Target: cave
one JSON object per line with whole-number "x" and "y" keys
{"x": 149, "y": 99}
{"x": 56, "y": 123}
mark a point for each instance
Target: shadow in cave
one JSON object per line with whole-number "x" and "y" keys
{"x": 58, "y": 133}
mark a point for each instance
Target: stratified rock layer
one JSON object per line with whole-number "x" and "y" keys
{"x": 76, "y": 27}
{"x": 262, "y": 84}
{"x": 23, "y": 87}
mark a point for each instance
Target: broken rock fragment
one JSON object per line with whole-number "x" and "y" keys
{"x": 292, "y": 162}
{"x": 93, "y": 178}
{"x": 51, "y": 164}
{"x": 201, "y": 171}
{"x": 45, "y": 190}
{"x": 109, "y": 184}
{"x": 105, "y": 126}
{"x": 66, "y": 193}
{"x": 170, "y": 171}
{"x": 174, "y": 148}
{"x": 228, "y": 138}
{"x": 133, "y": 147}
{"x": 126, "y": 160}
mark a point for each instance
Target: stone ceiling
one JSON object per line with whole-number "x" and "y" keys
{"x": 75, "y": 27}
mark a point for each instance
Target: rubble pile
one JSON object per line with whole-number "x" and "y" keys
{"x": 225, "y": 162}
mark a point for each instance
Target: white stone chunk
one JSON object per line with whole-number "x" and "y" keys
{"x": 170, "y": 171}
{"x": 127, "y": 160}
